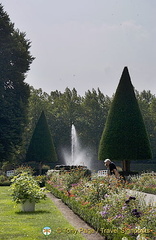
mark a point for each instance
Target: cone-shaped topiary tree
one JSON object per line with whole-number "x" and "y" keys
{"x": 124, "y": 137}
{"x": 41, "y": 148}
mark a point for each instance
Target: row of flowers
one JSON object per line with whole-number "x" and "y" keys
{"x": 146, "y": 182}
{"x": 106, "y": 205}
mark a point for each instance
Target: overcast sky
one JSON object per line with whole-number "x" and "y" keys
{"x": 86, "y": 43}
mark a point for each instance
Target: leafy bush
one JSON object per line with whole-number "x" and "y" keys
{"x": 24, "y": 187}
{"x": 7, "y": 166}
{"x": 23, "y": 169}
{"x": 41, "y": 179}
{"x": 4, "y": 180}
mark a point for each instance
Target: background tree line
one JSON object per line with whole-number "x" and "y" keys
{"x": 88, "y": 113}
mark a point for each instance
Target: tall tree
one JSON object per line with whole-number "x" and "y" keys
{"x": 94, "y": 112}
{"x": 15, "y": 60}
{"x": 41, "y": 148}
{"x": 124, "y": 136}
{"x": 65, "y": 110}
{"x": 146, "y": 102}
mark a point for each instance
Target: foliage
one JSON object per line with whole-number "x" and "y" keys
{"x": 24, "y": 187}
{"x": 41, "y": 148}
{"x": 4, "y": 180}
{"x": 41, "y": 179}
{"x": 15, "y": 60}
{"x": 7, "y": 165}
{"x": 88, "y": 113}
{"x": 124, "y": 136}
{"x": 146, "y": 182}
{"x": 73, "y": 177}
{"x": 89, "y": 215}
{"x": 67, "y": 179}
{"x": 62, "y": 109}
{"x": 105, "y": 204}
{"x": 45, "y": 167}
{"x": 23, "y": 169}
{"x": 147, "y": 103}
{"x": 95, "y": 108}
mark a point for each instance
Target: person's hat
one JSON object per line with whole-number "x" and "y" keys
{"x": 107, "y": 160}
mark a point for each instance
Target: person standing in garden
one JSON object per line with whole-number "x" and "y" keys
{"x": 111, "y": 168}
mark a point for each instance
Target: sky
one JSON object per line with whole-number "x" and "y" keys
{"x": 86, "y": 44}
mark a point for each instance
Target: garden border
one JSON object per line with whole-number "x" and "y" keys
{"x": 89, "y": 233}
{"x": 93, "y": 219}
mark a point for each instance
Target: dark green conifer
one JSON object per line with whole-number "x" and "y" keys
{"x": 41, "y": 148}
{"x": 124, "y": 136}
{"x": 15, "y": 61}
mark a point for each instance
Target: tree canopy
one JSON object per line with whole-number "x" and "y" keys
{"x": 15, "y": 60}
{"x": 124, "y": 136}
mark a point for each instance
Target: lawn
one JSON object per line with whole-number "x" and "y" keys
{"x": 17, "y": 225}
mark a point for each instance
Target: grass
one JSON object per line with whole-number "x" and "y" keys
{"x": 18, "y": 225}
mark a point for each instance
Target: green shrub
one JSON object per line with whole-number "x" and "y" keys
{"x": 41, "y": 179}
{"x": 7, "y": 166}
{"x": 4, "y": 180}
{"x": 24, "y": 187}
{"x": 22, "y": 169}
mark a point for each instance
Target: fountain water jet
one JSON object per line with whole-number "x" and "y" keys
{"x": 74, "y": 144}
{"x": 77, "y": 155}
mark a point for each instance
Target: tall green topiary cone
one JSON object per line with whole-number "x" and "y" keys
{"x": 41, "y": 148}
{"x": 124, "y": 137}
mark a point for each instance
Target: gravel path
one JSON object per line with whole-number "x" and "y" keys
{"x": 88, "y": 232}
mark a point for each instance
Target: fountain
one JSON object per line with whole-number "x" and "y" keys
{"x": 74, "y": 145}
{"x": 77, "y": 155}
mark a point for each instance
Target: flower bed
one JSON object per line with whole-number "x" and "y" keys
{"x": 146, "y": 182}
{"x": 104, "y": 204}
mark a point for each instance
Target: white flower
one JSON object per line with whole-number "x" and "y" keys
{"x": 139, "y": 237}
